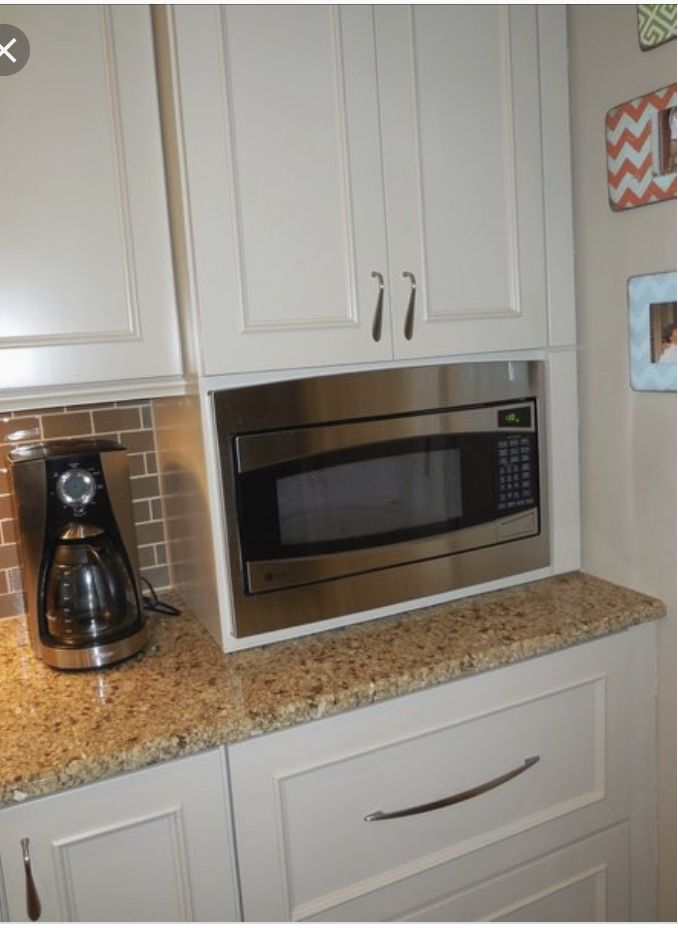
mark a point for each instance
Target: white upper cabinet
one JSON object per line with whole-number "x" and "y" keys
{"x": 281, "y": 134}
{"x": 459, "y": 94}
{"x": 316, "y": 151}
{"x": 87, "y": 290}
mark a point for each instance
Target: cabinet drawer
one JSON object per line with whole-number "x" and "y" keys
{"x": 422, "y": 768}
{"x": 587, "y": 881}
{"x": 303, "y": 797}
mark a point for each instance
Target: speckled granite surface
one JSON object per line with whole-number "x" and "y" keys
{"x": 60, "y": 730}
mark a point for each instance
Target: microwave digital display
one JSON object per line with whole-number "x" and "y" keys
{"x": 519, "y": 417}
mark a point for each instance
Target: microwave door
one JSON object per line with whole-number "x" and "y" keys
{"x": 364, "y": 507}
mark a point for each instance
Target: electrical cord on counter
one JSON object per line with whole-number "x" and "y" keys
{"x": 153, "y": 604}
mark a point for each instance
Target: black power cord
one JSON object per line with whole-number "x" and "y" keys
{"x": 153, "y": 604}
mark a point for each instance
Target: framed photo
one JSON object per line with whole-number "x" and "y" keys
{"x": 641, "y": 150}
{"x": 656, "y": 24}
{"x": 652, "y": 331}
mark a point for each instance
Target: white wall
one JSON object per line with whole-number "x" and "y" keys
{"x": 628, "y": 439}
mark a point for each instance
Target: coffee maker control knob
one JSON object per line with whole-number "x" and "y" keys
{"x": 76, "y": 488}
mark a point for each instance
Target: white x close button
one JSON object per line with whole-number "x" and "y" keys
{"x": 15, "y": 49}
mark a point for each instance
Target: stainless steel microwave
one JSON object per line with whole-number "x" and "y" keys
{"x": 350, "y": 492}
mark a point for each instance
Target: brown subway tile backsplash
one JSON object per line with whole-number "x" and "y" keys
{"x": 115, "y": 420}
{"x": 137, "y": 465}
{"x": 147, "y": 417}
{"x": 9, "y": 556}
{"x": 145, "y": 487}
{"x": 130, "y": 423}
{"x": 67, "y": 425}
{"x": 142, "y": 440}
{"x": 150, "y": 533}
{"x": 20, "y": 429}
{"x": 158, "y": 576}
{"x": 11, "y": 604}
{"x": 142, "y": 511}
{"x": 8, "y": 532}
{"x": 15, "y": 580}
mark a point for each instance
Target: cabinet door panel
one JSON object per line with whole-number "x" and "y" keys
{"x": 67, "y": 190}
{"x": 85, "y": 261}
{"x": 149, "y": 846}
{"x": 459, "y": 90}
{"x": 287, "y": 209}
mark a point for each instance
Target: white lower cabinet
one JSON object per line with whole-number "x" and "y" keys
{"x": 144, "y": 847}
{"x": 568, "y": 837}
{"x": 550, "y": 761}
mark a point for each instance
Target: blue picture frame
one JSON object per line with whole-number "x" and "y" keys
{"x": 652, "y": 331}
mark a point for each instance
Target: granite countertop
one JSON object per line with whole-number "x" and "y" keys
{"x": 182, "y": 695}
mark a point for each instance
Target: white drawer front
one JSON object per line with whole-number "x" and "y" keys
{"x": 587, "y": 881}
{"x": 328, "y": 845}
{"x": 305, "y": 850}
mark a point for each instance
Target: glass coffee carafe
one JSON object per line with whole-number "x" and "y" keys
{"x": 89, "y": 593}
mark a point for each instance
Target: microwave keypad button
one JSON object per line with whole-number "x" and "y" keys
{"x": 514, "y": 472}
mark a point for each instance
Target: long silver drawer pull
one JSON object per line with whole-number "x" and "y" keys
{"x": 33, "y": 907}
{"x": 379, "y": 308}
{"x": 409, "y": 316}
{"x": 457, "y": 797}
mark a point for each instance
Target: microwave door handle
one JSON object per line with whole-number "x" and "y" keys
{"x": 266, "y": 449}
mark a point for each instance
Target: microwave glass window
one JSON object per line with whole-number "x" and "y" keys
{"x": 372, "y": 495}
{"x": 378, "y": 496}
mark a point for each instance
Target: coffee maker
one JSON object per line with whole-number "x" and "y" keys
{"x": 78, "y": 552}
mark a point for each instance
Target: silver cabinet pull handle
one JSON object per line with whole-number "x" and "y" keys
{"x": 457, "y": 797}
{"x": 379, "y": 308}
{"x": 409, "y": 315}
{"x": 33, "y": 907}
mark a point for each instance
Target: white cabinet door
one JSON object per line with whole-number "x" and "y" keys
{"x": 317, "y": 147}
{"x": 87, "y": 291}
{"x": 144, "y": 847}
{"x": 280, "y": 132}
{"x": 460, "y": 108}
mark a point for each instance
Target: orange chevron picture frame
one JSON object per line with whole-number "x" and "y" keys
{"x": 641, "y": 150}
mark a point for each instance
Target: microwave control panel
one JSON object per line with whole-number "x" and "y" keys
{"x": 516, "y": 472}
